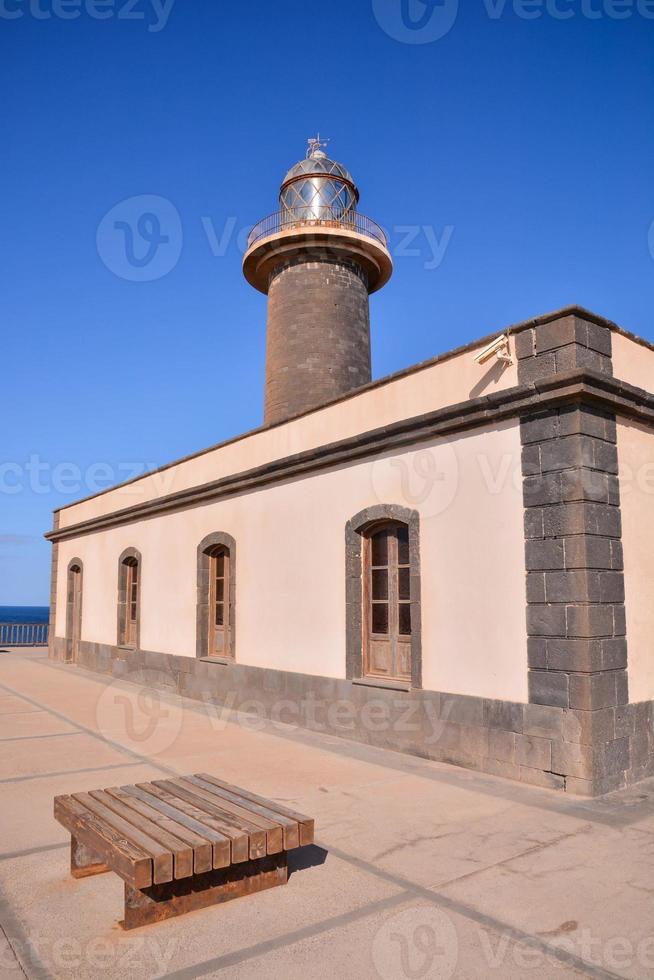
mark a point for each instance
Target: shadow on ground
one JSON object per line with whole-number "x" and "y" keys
{"x": 302, "y": 858}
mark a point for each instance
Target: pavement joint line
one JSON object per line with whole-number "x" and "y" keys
{"x": 82, "y": 729}
{"x": 69, "y": 772}
{"x": 13, "y": 855}
{"x": 457, "y": 907}
{"x": 269, "y": 945}
{"x": 13, "y": 931}
{"x": 13, "y": 951}
{"x": 29, "y": 738}
{"x": 615, "y": 814}
{"x": 409, "y": 890}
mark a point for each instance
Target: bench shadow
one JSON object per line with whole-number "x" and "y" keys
{"x": 302, "y": 858}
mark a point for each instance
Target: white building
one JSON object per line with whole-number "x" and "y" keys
{"x": 435, "y": 562}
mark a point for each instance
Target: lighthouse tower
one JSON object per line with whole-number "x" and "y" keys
{"x": 317, "y": 259}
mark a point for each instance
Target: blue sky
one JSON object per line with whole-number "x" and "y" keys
{"x": 513, "y": 141}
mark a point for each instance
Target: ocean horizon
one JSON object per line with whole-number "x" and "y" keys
{"x": 24, "y": 614}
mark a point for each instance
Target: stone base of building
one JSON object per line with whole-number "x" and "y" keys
{"x": 586, "y": 753}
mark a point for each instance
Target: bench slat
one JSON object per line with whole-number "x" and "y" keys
{"x": 123, "y": 857}
{"x": 162, "y": 859}
{"x": 306, "y": 824}
{"x": 220, "y": 843}
{"x": 290, "y": 827}
{"x": 274, "y": 832}
{"x": 201, "y": 849}
{"x": 242, "y": 838}
{"x": 154, "y": 824}
{"x": 255, "y": 836}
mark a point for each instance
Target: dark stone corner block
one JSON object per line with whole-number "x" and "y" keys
{"x": 550, "y": 688}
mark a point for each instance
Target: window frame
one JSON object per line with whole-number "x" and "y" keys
{"x": 357, "y": 538}
{"x": 205, "y": 609}
{"x": 129, "y": 559}
{"x": 74, "y": 577}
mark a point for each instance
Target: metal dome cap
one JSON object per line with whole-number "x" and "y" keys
{"x": 319, "y": 163}
{"x": 318, "y": 188}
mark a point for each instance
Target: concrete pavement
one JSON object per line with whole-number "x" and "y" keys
{"x": 420, "y": 869}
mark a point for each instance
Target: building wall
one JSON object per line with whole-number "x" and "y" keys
{"x": 290, "y": 541}
{"x": 636, "y": 458}
{"x": 633, "y": 361}
{"x": 447, "y": 381}
{"x": 551, "y": 710}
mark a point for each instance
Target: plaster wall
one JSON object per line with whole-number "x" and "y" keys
{"x": 290, "y": 554}
{"x": 636, "y": 459}
{"x": 633, "y": 362}
{"x": 448, "y": 381}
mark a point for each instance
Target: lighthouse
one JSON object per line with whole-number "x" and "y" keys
{"x": 317, "y": 258}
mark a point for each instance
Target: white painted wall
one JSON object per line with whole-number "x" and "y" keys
{"x": 290, "y": 574}
{"x": 445, "y": 382}
{"x": 636, "y": 458}
{"x": 633, "y": 362}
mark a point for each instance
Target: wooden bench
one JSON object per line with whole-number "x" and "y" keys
{"x": 182, "y": 843}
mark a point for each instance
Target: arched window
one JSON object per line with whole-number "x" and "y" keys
{"x": 129, "y": 598}
{"x": 216, "y": 605}
{"x": 387, "y": 611}
{"x": 383, "y": 595}
{"x": 73, "y": 610}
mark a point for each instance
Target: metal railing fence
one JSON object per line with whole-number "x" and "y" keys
{"x": 23, "y": 634}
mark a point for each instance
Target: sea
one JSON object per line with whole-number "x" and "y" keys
{"x": 24, "y": 614}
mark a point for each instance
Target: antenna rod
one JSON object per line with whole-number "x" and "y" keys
{"x": 315, "y": 145}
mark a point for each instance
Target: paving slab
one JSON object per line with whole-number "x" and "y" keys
{"x": 33, "y": 724}
{"x": 419, "y": 869}
{"x": 11, "y": 705}
{"x": 593, "y": 892}
{"x": 23, "y": 757}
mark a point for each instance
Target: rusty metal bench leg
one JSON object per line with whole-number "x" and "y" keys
{"x": 83, "y": 861}
{"x": 148, "y": 905}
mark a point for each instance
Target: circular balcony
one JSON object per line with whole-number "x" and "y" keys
{"x": 316, "y": 217}
{"x": 322, "y": 231}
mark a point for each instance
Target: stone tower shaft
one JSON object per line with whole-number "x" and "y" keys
{"x": 317, "y": 259}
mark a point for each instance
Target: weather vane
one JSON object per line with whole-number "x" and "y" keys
{"x": 315, "y": 145}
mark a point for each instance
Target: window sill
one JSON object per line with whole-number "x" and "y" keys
{"x": 223, "y": 661}
{"x": 386, "y": 685}
{"x": 125, "y": 646}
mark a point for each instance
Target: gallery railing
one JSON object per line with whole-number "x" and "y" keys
{"x": 316, "y": 216}
{"x": 23, "y": 634}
